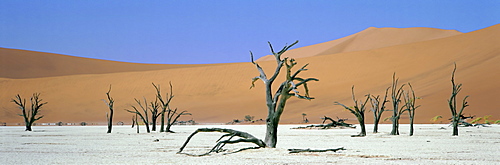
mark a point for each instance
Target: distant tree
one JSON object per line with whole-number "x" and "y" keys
{"x": 358, "y": 110}
{"x": 83, "y": 123}
{"x": 396, "y": 93}
{"x": 249, "y": 118}
{"x": 377, "y": 109}
{"x": 143, "y": 115}
{"x": 30, "y": 115}
{"x": 452, "y": 102}
{"x": 276, "y": 100}
{"x": 110, "y": 104}
{"x": 436, "y": 118}
{"x": 60, "y": 123}
{"x": 475, "y": 121}
{"x": 409, "y": 101}
{"x": 486, "y": 121}
{"x": 304, "y": 118}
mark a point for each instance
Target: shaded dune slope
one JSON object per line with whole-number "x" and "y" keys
{"x": 18, "y": 64}
{"x": 219, "y": 93}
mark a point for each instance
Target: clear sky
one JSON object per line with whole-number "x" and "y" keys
{"x": 215, "y": 31}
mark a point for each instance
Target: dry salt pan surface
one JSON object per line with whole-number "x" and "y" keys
{"x": 91, "y": 145}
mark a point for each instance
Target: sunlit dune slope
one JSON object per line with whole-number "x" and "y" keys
{"x": 370, "y": 38}
{"x": 17, "y": 64}
{"x": 220, "y": 93}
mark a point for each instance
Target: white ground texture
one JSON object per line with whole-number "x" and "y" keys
{"x": 91, "y": 145}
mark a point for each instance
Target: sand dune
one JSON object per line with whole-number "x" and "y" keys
{"x": 17, "y": 64}
{"x": 370, "y": 38}
{"x": 219, "y": 93}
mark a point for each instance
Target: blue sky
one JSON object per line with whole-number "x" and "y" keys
{"x": 215, "y": 31}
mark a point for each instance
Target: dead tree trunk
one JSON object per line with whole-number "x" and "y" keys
{"x": 410, "y": 99}
{"x": 276, "y": 101}
{"x": 359, "y": 111}
{"x": 313, "y": 150}
{"x": 244, "y": 137}
{"x": 31, "y": 115}
{"x": 377, "y": 109}
{"x": 136, "y": 121}
{"x": 396, "y": 94}
{"x": 452, "y": 102}
{"x": 172, "y": 117}
{"x": 110, "y": 104}
{"x": 154, "y": 106}
{"x": 144, "y": 115}
{"x": 339, "y": 122}
{"x": 164, "y": 105}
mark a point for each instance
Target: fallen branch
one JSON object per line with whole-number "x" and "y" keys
{"x": 340, "y": 123}
{"x": 310, "y": 150}
{"x": 244, "y": 137}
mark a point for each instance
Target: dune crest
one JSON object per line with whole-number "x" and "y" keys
{"x": 18, "y": 64}
{"x": 370, "y": 38}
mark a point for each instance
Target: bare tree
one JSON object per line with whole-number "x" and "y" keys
{"x": 135, "y": 122}
{"x": 276, "y": 100}
{"x": 110, "y": 104}
{"x": 359, "y": 111}
{"x": 436, "y": 118}
{"x": 154, "y": 106}
{"x": 377, "y": 109}
{"x": 172, "y": 117}
{"x": 164, "y": 104}
{"x": 396, "y": 93}
{"x": 249, "y": 118}
{"x": 143, "y": 115}
{"x": 409, "y": 100}
{"x": 30, "y": 115}
{"x": 452, "y": 102}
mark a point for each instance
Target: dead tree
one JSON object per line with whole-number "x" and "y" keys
{"x": 154, "y": 107}
{"x": 110, "y": 104}
{"x": 293, "y": 150}
{"x": 377, "y": 109}
{"x": 396, "y": 93}
{"x": 276, "y": 100}
{"x": 172, "y": 116}
{"x": 244, "y": 137}
{"x": 164, "y": 104}
{"x": 340, "y": 122}
{"x": 409, "y": 101}
{"x": 143, "y": 115}
{"x": 359, "y": 111}
{"x": 249, "y": 118}
{"x": 304, "y": 118}
{"x": 135, "y": 122}
{"x": 30, "y": 115}
{"x": 452, "y": 102}
{"x": 333, "y": 123}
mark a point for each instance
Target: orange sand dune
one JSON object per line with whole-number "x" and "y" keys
{"x": 219, "y": 93}
{"x": 17, "y": 64}
{"x": 371, "y": 38}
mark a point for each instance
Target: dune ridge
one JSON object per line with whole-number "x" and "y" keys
{"x": 219, "y": 93}
{"x": 370, "y": 38}
{"x": 18, "y": 64}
